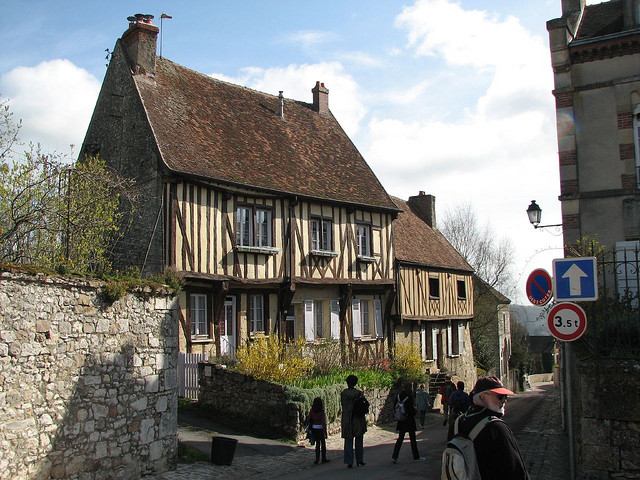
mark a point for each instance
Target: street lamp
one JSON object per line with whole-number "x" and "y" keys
{"x": 535, "y": 215}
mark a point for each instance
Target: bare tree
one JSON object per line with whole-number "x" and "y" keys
{"x": 56, "y": 213}
{"x": 490, "y": 256}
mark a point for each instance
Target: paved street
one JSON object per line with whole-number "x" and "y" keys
{"x": 534, "y": 416}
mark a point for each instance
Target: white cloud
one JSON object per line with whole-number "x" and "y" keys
{"x": 308, "y": 38}
{"x": 54, "y": 99}
{"x": 360, "y": 58}
{"x": 296, "y": 81}
{"x": 501, "y": 147}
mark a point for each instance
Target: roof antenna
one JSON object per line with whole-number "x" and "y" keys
{"x": 281, "y": 109}
{"x": 162, "y": 17}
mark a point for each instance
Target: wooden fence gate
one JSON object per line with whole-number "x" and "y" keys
{"x": 188, "y": 374}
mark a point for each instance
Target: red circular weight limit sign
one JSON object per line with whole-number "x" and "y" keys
{"x": 567, "y": 321}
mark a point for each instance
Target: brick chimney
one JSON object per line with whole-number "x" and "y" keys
{"x": 424, "y": 206}
{"x": 320, "y": 98}
{"x": 572, "y": 6}
{"x": 139, "y": 43}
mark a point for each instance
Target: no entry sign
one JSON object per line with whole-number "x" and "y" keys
{"x": 539, "y": 287}
{"x": 567, "y": 321}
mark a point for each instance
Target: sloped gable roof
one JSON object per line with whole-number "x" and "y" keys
{"x": 416, "y": 242}
{"x": 224, "y": 132}
{"x": 601, "y": 19}
{"x": 481, "y": 287}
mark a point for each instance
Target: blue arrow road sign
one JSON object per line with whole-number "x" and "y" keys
{"x": 575, "y": 279}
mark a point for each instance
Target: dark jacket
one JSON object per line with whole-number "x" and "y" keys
{"x": 408, "y": 425}
{"x": 459, "y": 401}
{"x": 497, "y": 451}
{"x": 351, "y": 426}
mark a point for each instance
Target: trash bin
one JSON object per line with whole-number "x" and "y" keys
{"x": 222, "y": 450}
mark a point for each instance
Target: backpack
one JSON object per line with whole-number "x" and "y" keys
{"x": 399, "y": 412}
{"x": 459, "y": 457}
{"x": 360, "y": 406}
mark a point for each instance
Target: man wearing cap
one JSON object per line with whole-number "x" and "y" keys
{"x": 497, "y": 451}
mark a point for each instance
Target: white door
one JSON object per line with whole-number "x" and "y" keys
{"x": 228, "y": 333}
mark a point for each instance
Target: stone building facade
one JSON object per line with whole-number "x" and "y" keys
{"x": 87, "y": 389}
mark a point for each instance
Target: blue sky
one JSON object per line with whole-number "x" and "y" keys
{"x": 448, "y": 96}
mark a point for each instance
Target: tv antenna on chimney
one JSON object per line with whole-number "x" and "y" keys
{"x": 162, "y": 17}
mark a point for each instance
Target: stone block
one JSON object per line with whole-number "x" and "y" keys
{"x": 156, "y": 450}
{"x": 147, "y": 431}
{"x": 101, "y": 450}
{"x": 151, "y": 383}
{"x": 99, "y": 411}
{"x": 161, "y": 404}
{"x": 8, "y": 336}
{"x": 170, "y": 379}
{"x": 102, "y": 325}
{"x": 597, "y": 457}
{"x": 4, "y": 350}
{"x": 139, "y": 404}
{"x": 43, "y": 326}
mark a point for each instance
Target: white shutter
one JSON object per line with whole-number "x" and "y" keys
{"x": 449, "y": 339}
{"x": 423, "y": 341}
{"x": 460, "y": 337}
{"x": 309, "y": 327}
{"x": 335, "y": 319}
{"x": 378, "y": 309}
{"x": 355, "y": 318}
{"x": 434, "y": 343}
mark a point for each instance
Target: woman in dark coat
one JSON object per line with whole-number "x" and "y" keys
{"x": 408, "y": 425}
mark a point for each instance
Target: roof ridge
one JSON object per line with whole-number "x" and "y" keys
{"x": 226, "y": 82}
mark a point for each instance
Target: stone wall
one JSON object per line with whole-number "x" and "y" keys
{"x": 608, "y": 419}
{"x": 87, "y": 389}
{"x": 265, "y": 407}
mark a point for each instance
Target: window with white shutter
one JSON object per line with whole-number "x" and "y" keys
{"x": 335, "y": 319}
{"x": 198, "y": 315}
{"x": 378, "y": 308}
{"x": 355, "y": 318}
{"x": 317, "y": 317}
{"x": 309, "y": 332}
{"x": 461, "y": 329}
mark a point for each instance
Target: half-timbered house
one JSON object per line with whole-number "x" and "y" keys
{"x": 434, "y": 304}
{"x": 262, "y": 203}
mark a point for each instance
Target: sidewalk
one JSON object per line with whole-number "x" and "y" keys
{"x": 543, "y": 444}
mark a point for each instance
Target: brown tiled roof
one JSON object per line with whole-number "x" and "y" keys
{"x": 601, "y": 19}
{"x": 416, "y": 242}
{"x": 481, "y": 286}
{"x": 232, "y": 134}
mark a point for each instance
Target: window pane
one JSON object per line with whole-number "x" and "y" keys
{"x": 256, "y": 313}
{"x": 263, "y": 228}
{"x": 364, "y": 246}
{"x": 434, "y": 287}
{"x": 326, "y": 235}
{"x": 462, "y": 291}
{"x": 243, "y": 226}
{"x": 198, "y": 314}
{"x": 315, "y": 234}
{"x": 364, "y": 316}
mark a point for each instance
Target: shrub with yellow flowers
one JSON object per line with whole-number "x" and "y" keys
{"x": 272, "y": 359}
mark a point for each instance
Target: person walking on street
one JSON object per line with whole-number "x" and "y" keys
{"x": 445, "y": 391}
{"x": 405, "y": 414}
{"x": 318, "y": 425}
{"x": 353, "y": 427}
{"x": 496, "y": 448}
{"x": 422, "y": 403}
{"x": 459, "y": 402}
